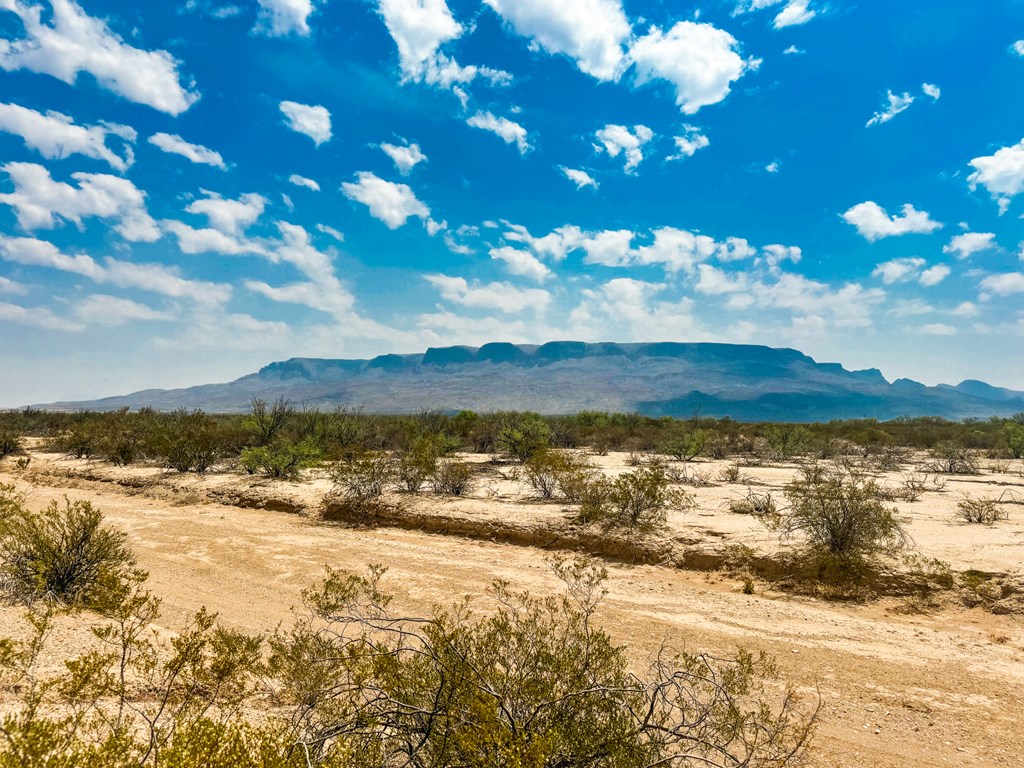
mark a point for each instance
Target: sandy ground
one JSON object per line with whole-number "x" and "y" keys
{"x": 898, "y": 689}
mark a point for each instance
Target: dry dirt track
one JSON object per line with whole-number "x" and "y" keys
{"x": 897, "y": 690}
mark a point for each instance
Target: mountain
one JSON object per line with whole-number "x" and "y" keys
{"x": 745, "y": 382}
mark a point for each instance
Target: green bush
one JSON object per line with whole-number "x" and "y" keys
{"x": 366, "y": 476}
{"x": 452, "y": 478}
{"x": 188, "y": 441}
{"x": 10, "y": 442}
{"x": 1015, "y": 439}
{"x": 523, "y": 434}
{"x": 419, "y": 461}
{"x": 63, "y": 552}
{"x": 685, "y": 447}
{"x": 280, "y": 459}
{"x": 638, "y": 501}
{"x": 840, "y": 522}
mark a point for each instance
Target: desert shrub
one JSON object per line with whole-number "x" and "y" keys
{"x": 264, "y": 423}
{"x": 914, "y": 485}
{"x": 63, "y": 552}
{"x": 733, "y": 473}
{"x": 551, "y": 472}
{"x": 951, "y": 458}
{"x": 638, "y": 500}
{"x": 754, "y": 503}
{"x": 365, "y": 476}
{"x": 452, "y": 478}
{"x": 534, "y": 682}
{"x": 971, "y": 509}
{"x": 785, "y": 440}
{"x": 10, "y": 442}
{"x": 188, "y": 441}
{"x": 840, "y": 522}
{"x": 1014, "y": 434}
{"x": 523, "y": 434}
{"x": 685, "y": 447}
{"x": 281, "y": 459}
{"x": 418, "y": 463}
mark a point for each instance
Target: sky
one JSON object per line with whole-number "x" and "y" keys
{"x": 191, "y": 189}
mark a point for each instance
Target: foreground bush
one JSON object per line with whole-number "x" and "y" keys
{"x": 62, "y": 553}
{"x": 280, "y": 459}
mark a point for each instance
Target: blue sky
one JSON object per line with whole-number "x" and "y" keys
{"x": 193, "y": 188}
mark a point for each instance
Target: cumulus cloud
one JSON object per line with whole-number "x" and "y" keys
{"x": 503, "y": 297}
{"x": 9, "y": 286}
{"x": 521, "y": 263}
{"x": 795, "y": 13}
{"x": 931, "y": 90}
{"x": 934, "y": 275}
{"x": 899, "y": 270}
{"x": 1001, "y": 173}
{"x": 74, "y": 42}
{"x": 509, "y": 131}
{"x": 313, "y": 121}
{"x": 699, "y": 60}
{"x": 405, "y": 156}
{"x": 1004, "y": 284}
{"x": 155, "y": 278}
{"x": 302, "y": 181}
{"x": 196, "y": 153}
{"x": 578, "y": 177}
{"x": 591, "y": 32}
{"x": 232, "y": 217}
{"x": 278, "y": 18}
{"x": 873, "y": 222}
{"x": 40, "y": 202}
{"x": 56, "y": 136}
{"x": 392, "y": 203}
{"x": 937, "y": 329}
{"x": 618, "y": 139}
{"x": 102, "y": 309}
{"x": 688, "y": 144}
{"x": 895, "y": 103}
{"x": 37, "y": 317}
{"x": 1018, "y": 48}
{"x": 555, "y": 246}
{"x": 969, "y": 243}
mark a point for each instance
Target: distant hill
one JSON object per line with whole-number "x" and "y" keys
{"x": 745, "y": 382}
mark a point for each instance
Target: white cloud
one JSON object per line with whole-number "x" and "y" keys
{"x": 1018, "y": 48}
{"x": 591, "y": 32}
{"x": 156, "y": 278}
{"x": 197, "y": 153}
{"x": 42, "y": 203}
{"x": 937, "y": 329}
{"x": 278, "y": 18}
{"x": 618, "y": 139}
{"x": 873, "y": 222}
{"x": 911, "y": 307}
{"x": 896, "y": 103}
{"x": 511, "y": 132}
{"x": 793, "y": 51}
{"x": 578, "y": 177}
{"x": 391, "y": 203}
{"x": 521, "y": 263}
{"x": 56, "y": 136}
{"x": 965, "y": 309}
{"x": 419, "y": 28}
{"x": 504, "y": 297}
{"x": 232, "y": 217}
{"x": 934, "y": 275}
{"x": 795, "y": 13}
{"x": 208, "y": 240}
{"x": 689, "y": 143}
{"x": 555, "y": 246}
{"x": 331, "y": 232}
{"x": 37, "y": 317}
{"x": 898, "y": 270}
{"x": 772, "y": 167}
{"x": 101, "y": 309}
{"x": 75, "y": 42}
{"x": 970, "y": 243}
{"x": 700, "y": 60}
{"x": 9, "y": 286}
{"x": 302, "y": 181}
{"x": 717, "y": 282}
{"x": 774, "y": 254}
{"x": 1004, "y": 284}
{"x": 405, "y": 157}
{"x": 931, "y": 90}
{"x": 1002, "y": 173}
{"x": 313, "y": 121}
{"x": 628, "y": 307}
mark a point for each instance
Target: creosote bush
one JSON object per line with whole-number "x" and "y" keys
{"x": 62, "y": 553}
{"x": 10, "y": 442}
{"x": 637, "y": 501}
{"x": 840, "y": 522}
{"x": 971, "y": 509}
{"x": 452, "y": 478}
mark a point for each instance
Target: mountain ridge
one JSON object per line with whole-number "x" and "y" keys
{"x": 744, "y": 381}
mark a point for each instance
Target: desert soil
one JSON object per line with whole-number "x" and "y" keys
{"x": 899, "y": 689}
